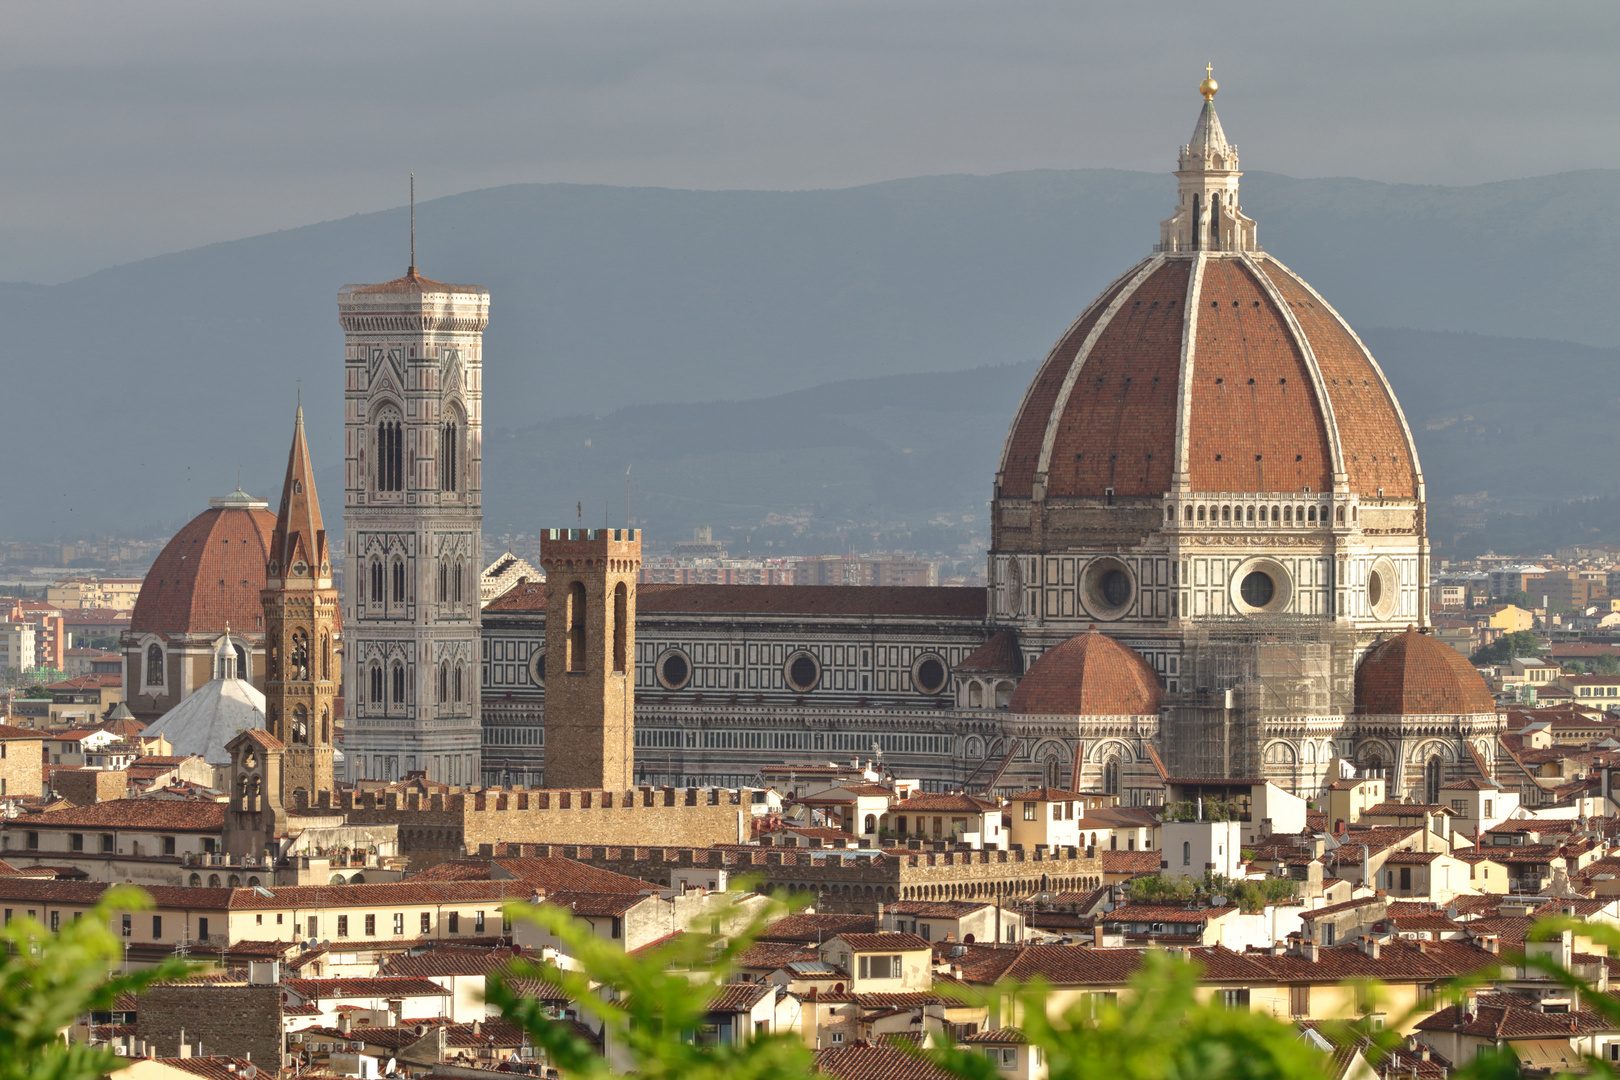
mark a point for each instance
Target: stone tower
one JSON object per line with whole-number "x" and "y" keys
{"x": 413, "y": 389}
{"x": 590, "y": 656}
{"x": 301, "y": 624}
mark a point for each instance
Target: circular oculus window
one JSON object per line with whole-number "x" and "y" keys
{"x": 674, "y": 669}
{"x": 537, "y": 667}
{"x": 929, "y": 674}
{"x": 1107, "y": 588}
{"x": 802, "y": 671}
{"x": 1383, "y": 589}
{"x": 1261, "y": 586}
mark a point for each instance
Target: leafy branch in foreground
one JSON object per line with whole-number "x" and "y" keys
{"x": 652, "y": 1005}
{"x": 50, "y": 979}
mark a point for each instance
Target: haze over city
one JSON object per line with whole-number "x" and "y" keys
{"x": 880, "y": 541}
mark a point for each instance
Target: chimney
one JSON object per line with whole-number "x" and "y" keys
{"x": 1375, "y": 948}
{"x": 1309, "y": 950}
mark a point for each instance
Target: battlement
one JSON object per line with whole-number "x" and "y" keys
{"x": 501, "y": 800}
{"x": 447, "y": 823}
{"x": 573, "y": 543}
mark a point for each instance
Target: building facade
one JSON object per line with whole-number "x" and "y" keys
{"x": 413, "y": 399}
{"x": 1208, "y": 510}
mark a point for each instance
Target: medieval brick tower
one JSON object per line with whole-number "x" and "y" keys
{"x": 413, "y": 374}
{"x": 300, "y": 631}
{"x": 590, "y": 656}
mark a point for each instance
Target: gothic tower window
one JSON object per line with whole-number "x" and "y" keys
{"x": 399, "y": 684}
{"x": 300, "y": 724}
{"x": 390, "y": 462}
{"x": 621, "y": 620}
{"x": 444, "y": 581}
{"x": 399, "y": 581}
{"x": 326, "y": 659}
{"x": 376, "y": 684}
{"x": 326, "y": 728}
{"x": 575, "y": 661}
{"x": 377, "y": 593}
{"x": 1111, "y": 776}
{"x": 1215, "y": 220}
{"x": 241, "y": 660}
{"x": 444, "y": 683}
{"x": 154, "y": 665}
{"x": 299, "y": 667}
{"x": 449, "y": 455}
{"x": 460, "y": 576}
{"x": 458, "y": 686}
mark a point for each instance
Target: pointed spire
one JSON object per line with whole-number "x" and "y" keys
{"x": 299, "y": 536}
{"x": 1208, "y": 216}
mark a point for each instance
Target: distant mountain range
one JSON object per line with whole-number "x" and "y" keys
{"x": 757, "y": 353}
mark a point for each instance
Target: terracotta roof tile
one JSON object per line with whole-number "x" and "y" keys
{"x": 1089, "y": 675}
{"x": 1414, "y": 674}
{"x": 998, "y": 656}
{"x": 884, "y": 942}
{"x": 876, "y": 1063}
{"x": 208, "y": 575}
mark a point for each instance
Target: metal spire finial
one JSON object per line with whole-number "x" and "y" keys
{"x": 413, "y": 223}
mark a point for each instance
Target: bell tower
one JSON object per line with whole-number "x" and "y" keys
{"x": 590, "y": 656}
{"x": 413, "y": 431}
{"x": 300, "y": 632}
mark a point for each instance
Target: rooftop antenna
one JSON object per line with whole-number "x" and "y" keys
{"x": 413, "y": 223}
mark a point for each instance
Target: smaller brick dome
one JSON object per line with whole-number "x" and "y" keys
{"x": 210, "y": 574}
{"x": 1414, "y": 674}
{"x": 1088, "y": 675}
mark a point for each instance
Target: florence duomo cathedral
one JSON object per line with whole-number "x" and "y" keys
{"x": 1208, "y": 560}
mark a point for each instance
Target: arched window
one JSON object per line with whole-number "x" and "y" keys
{"x": 1340, "y": 515}
{"x": 298, "y": 668}
{"x": 458, "y": 577}
{"x": 449, "y": 455}
{"x": 444, "y": 683}
{"x": 377, "y": 593}
{"x": 1310, "y": 514}
{"x": 1432, "y": 771}
{"x": 326, "y": 728}
{"x": 871, "y": 824}
{"x": 1274, "y": 517}
{"x": 376, "y": 684}
{"x": 458, "y": 687}
{"x": 1262, "y": 515}
{"x": 975, "y": 695}
{"x": 241, "y": 661}
{"x": 1053, "y": 768}
{"x": 1186, "y": 853}
{"x": 1200, "y": 513}
{"x": 399, "y": 684}
{"x": 1226, "y": 513}
{"x": 1299, "y": 514}
{"x": 154, "y": 664}
{"x": 444, "y": 581}
{"x": 575, "y": 660}
{"x": 399, "y": 581}
{"x": 390, "y": 463}
{"x": 1197, "y": 220}
{"x": 1288, "y": 514}
{"x": 326, "y": 659}
{"x": 1215, "y": 220}
{"x": 621, "y": 625}
{"x": 1251, "y": 513}
{"x": 1111, "y": 776}
{"x": 300, "y": 724}
{"x": 1189, "y": 513}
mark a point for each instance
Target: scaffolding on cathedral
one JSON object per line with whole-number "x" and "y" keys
{"x": 1246, "y": 674}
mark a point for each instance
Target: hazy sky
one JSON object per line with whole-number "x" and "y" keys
{"x": 133, "y": 129}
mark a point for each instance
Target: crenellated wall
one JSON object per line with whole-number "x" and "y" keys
{"x": 435, "y": 827}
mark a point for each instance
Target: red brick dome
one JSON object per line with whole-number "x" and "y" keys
{"x": 210, "y": 574}
{"x": 1225, "y": 365}
{"x": 1414, "y": 674}
{"x": 1088, "y": 675}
